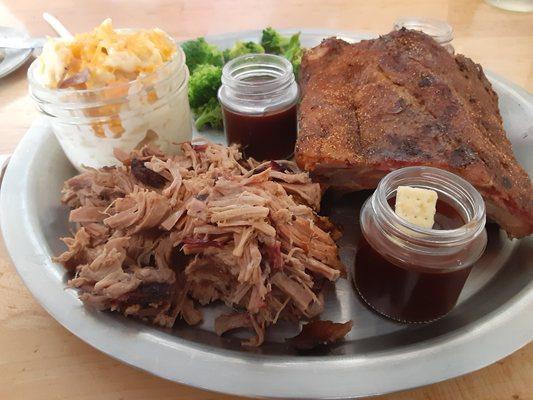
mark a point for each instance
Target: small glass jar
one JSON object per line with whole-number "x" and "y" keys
{"x": 89, "y": 124}
{"x": 439, "y": 30}
{"x": 258, "y": 97}
{"x": 413, "y": 274}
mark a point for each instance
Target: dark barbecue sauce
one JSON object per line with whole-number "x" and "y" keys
{"x": 408, "y": 293}
{"x": 264, "y": 137}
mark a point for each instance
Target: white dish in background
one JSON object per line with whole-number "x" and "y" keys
{"x": 11, "y": 59}
{"x": 492, "y": 319}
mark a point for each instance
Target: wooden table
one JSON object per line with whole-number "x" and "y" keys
{"x": 39, "y": 359}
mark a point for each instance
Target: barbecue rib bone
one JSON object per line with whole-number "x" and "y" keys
{"x": 378, "y": 105}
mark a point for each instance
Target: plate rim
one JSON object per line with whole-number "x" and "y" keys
{"x": 309, "y": 375}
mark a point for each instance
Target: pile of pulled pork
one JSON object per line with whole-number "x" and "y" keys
{"x": 161, "y": 236}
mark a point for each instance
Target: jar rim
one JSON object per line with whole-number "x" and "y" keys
{"x": 176, "y": 62}
{"x": 443, "y": 181}
{"x": 236, "y": 72}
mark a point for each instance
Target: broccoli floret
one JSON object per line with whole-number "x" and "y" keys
{"x": 296, "y": 65}
{"x": 209, "y": 114}
{"x": 241, "y": 48}
{"x": 226, "y": 55}
{"x": 204, "y": 84}
{"x": 289, "y": 47}
{"x": 199, "y": 52}
{"x": 294, "y": 52}
{"x": 273, "y": 42}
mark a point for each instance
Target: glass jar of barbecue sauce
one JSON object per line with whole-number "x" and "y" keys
{"x": 258, "y": 97}
{"x": 412, "y": 274}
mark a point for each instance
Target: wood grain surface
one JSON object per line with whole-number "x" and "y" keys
{"x": 39, "y": 359}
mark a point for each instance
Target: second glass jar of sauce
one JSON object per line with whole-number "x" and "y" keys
{"x": 258, "y": 96}
{"x": 439, "y": 30}
{"x": 413, "y": 274}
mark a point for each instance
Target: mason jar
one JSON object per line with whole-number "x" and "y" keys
{"x": 258, "y": 96}
{"x": 414, "y": 274}
{"x": 89, "y": 124}
{"x": 439, "y": 30}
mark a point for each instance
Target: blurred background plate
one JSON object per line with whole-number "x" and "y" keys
{"x": 493, "y": 317}
{"x": 11, "y": 59}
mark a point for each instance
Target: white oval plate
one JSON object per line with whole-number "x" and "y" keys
{"x": 492, "y": 319}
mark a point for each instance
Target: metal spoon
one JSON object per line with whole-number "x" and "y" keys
{"x": 35, "y": 43}
{"x": 20, "y": 43}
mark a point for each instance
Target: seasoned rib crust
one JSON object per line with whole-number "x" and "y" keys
{"x": 400, "y": 100}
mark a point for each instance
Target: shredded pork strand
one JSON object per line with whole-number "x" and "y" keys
{"x": 160, "y": 236}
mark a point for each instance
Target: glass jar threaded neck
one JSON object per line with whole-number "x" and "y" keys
{"x": 399, "y": 239}
{"x": 258, "y": 83}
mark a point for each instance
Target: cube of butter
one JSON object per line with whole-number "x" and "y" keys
{"x": 416, "y": 205}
